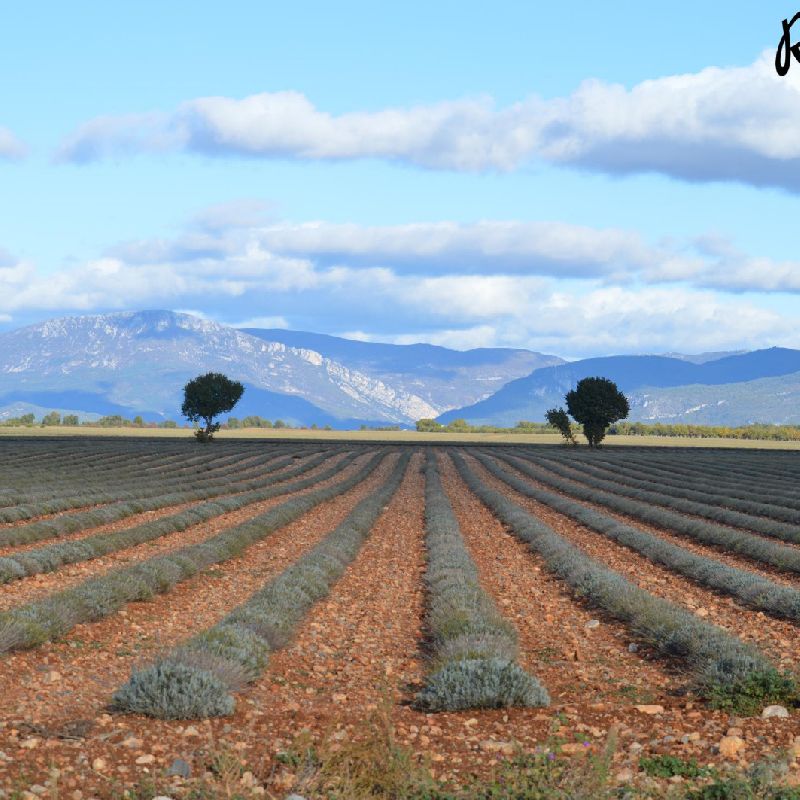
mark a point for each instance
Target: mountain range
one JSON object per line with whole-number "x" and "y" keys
{"x": 740, "y": 389}
{"x": 137, "y": 362}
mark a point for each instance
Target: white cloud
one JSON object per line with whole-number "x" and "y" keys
{"x": 547, "y": 249}
{"x": 735, "y": 123}
{"x": 263, "y": 322}
{"x": 550, "y": 248}
{"x": 454, "y": 338}
{"x": 629, "y": 296}
{"x": 118, "y": 136}
{"x": 10, "y": 147}
{"x": 242, "y": 213}
{"x": 613, "y": 320}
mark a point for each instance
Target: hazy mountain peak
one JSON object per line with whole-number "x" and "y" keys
{"x": 137, "y": 362}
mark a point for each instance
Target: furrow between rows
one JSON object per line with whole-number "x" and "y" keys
{"x": 775, "y": 637}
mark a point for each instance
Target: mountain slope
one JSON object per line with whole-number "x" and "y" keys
{"x": 138, "y": 362}
{"x": 644, "y": 378}
{"x": 771, "y": 400}
{"x": 442, "y": 377}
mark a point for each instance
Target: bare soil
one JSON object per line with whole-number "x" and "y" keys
{"x": 358, "y": 651}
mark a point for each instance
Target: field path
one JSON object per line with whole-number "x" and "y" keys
{"x": 360, "y": 645}
{"x": 590, "y": 674}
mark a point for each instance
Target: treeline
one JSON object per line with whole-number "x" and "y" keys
{"x": 117, "y": 421}
{"x": 779, "y": 433}
{"x": 462, "y": 426}
{"x": 54, "y": 419}
{"x": 235, "y": 424}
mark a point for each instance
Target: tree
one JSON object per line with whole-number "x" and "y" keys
{"x": 70, "y": 419}
{"x": 595, "y": 403}
{"x": 207, "y": 396}
{"x": 458, "y": 426}
{"x": 112, "y": 421}
{"x": 558, "y": 418}
{"x": 53, "y": 418}
{"x": 138, "y": 421}
{"x": 429, "y": 425}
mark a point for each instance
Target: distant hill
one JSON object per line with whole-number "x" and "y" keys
{"x": 771, "y": 400}
{"x": 138, "y": 362}
{"x": 728, "y": 390}
{"x": 702, "y": 358}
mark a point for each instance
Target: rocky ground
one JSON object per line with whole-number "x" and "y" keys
{"x": 358, "y": 654}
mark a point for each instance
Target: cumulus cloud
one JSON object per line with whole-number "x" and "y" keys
{"x": 545, "y": 249}
{"x": 458, "y": 285}
{"x": 735, "y": 123}
{"x": 613, "y": 320}
{"x": 551, "y": 248}
{"x": 263, "y": 322}
{"x": 456, "y": 338}
{"x": 10, "y": 147}
{"x": 256, "y": 288}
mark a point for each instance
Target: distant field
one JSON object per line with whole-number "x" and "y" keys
{"x": 482, "y": 601}
{"x": 401, "y": 436}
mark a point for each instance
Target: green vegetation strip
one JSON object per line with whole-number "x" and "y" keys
{"x": 724, "y": 669}
{"x": 74, "y": 523}
{"x": 733, "y": 541}
{"x": 53, "y": 556}
{"x": 474, "y": 648}
{"x": 196, "y": 678}
{"x": 34, "y": 623}
{"x": 750, "y": 589}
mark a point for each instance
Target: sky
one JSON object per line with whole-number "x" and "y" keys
{"x": 607, "y": 178}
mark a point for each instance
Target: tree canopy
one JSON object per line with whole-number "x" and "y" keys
{"x": 207, "y": 396}
{"x": 559, "y": 419}
{"x": 596, "y": 403}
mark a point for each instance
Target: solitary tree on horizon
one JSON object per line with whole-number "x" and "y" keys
{"x": 595, "y": 403}
{"x": 207, "y": 396}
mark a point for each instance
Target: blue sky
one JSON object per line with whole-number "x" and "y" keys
{"x": 468, "y": 174}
